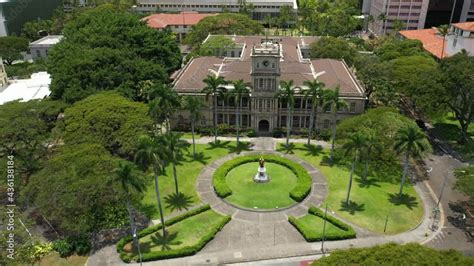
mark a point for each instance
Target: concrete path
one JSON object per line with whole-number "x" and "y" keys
{"x": 261, "y": 141}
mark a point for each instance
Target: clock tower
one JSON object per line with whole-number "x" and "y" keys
{"x": 265, "y": 75}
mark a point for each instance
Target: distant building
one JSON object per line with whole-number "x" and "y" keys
{"x": 40, "y": 48}
{"x": 461, "y": 36}
{"x": 3, "y": 75}
{"x": 37, "y": 87}
{"x": 263, "y": 62}
{"x": 412, "y": 13}
{"x": 178, "y": 23}
{"x": 467, "y": 13}
{"x": 262, "y": 7}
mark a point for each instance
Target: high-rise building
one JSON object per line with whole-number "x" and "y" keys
{"x": 385, "y": 13}
{"x": 467, "y": 13}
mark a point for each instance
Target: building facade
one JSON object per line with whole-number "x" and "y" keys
{"x": 467, "y": 13}
{"x": 263, "y": 63}
{"x": 39, "y": 48}
{"x": 412, "y": 13}
{"x": 262, "y": 7}
{"x": 461, "y": 38}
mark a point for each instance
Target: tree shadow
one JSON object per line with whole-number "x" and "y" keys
{"x": 148, "y": 209}
{"x": 199, "y": 157}
{"x": 178, "y": 201}
{"x": 405, "y": 199}
{"x": 288, "y": 149}
{"x": 243, "y": 146}
{"x": 369, "y": 182}
{"x": 313, "y": 150}
{"x": 220, "y": 144}
{"x": 352, "y": 207}
{"x": 166, "y": 241}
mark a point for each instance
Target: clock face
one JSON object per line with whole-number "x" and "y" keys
{"x": 266, "y": 63}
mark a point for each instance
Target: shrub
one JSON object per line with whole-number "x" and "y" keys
{"x": 278, "y": 132}
{"x": 166, "y": 254}
{"x": 251, "y": 133}
{"x": 63, "y": 247}
{"x": 346, "y": 231}
{"x": 303, "y": 183}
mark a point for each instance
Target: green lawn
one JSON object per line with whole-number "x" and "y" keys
{"x": 188, "y": 171}
{"x": 53, "y": 259}
{"x": 187, "y": 232}
{"x": 270, "y": 195}
{"x": 313, "y": 225}
{"x": 449, "y": 130}
{"x": 370, "y": 203}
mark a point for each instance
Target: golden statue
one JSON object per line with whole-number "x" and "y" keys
{"x": 261, "y": 161}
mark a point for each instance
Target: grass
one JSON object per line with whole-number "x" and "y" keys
{"x": 449, "y": 130}
{"x": 187, "y": 232}
{"x": 188, "y": 170}
{"x": 53, "y": 259}
{"x": 313, "y": 225}
{"x": 371, "y": 202}
{"x": 270, "y": 195}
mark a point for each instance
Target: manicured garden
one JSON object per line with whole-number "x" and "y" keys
{"x": 188, "y": 170}
{"x": 186, "y": 234}
{"x": 273, "y": 194}
{"x": 311, "y": 226}
{"x": 297, "y": 193}
{"x": 372, "y": 201}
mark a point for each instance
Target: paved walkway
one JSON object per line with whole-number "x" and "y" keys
{"x": 266, "y": 141}
{"x": 253, "y": 236}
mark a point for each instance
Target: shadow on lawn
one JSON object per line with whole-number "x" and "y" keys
{"x": 199, "y": 157}
{"x": 404, "y": 199}
{"x": 352, "y": 207}
{"x": 288, "y": 149}
{"x": 370, "y": 182}
{"x": 313, "y": 150}
{"x": 148, "y": 209}
{"x": 158, "y": 240}
{"x": 243, "y": 146}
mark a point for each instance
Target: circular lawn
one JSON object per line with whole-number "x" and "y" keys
{"x": 270, "y": 195}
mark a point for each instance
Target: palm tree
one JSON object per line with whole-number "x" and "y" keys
{"x": 124, "y": 174}
{"x": 174, "y": 147}
{"x": 412, "y": 141}
{"x": 164, "y": 101}
{"x": 240, "y": 90}
{"x": 383, "y": 17}
{"x": 371, "y": 146}
{"x": 315, "y": 93}
{"x": 334, "y": 102}
{"x": 193, "y": 105}
{"x": 149, "y": 153}
{"x": 443, "y": 31}
{"x": 213, "y": 88}
{"x": 355, "y": 144}
{"x": 287, "y": 92}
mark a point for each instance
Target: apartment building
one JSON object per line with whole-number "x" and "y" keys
{"x": 467, "y": 13}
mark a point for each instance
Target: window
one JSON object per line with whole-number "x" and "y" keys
{"x": 245, "y": 120}
{"x": 352, "y": 107}
{"x": 260, "y": 83}
{"x": 296, "y": 121}
{"x": 38, "y": 53}
{"x": 232, "y": 54}
{"x": 232, "y": 120}
{"x": 245, "y": 101}
{"x": 327, "y": 108}
{"x": 326, "y": 123}
{"x": 283, "y": 121}
{"x": 220, "y": 118}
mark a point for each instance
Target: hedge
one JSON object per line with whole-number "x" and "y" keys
{"x": 303, "y": 183}
{"x": 166, "y": 254}
{"x": 346, "y": 230}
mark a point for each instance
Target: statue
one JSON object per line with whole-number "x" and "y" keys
{"x": 261, "y": 176}
{"x": 262, "y": 162}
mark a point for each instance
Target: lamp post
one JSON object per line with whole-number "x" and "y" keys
{"x": 138, "y": 246}
{"x": 324, "y": 229}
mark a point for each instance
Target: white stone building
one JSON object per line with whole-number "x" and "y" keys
{"x": 40, "y": 48}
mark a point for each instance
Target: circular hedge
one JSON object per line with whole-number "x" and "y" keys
{"x": 298, "y": 193}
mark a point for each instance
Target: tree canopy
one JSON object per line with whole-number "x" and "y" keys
{"x": 394, "y": 254}
{"x": 106, "y": 48}
{"x": 11, "y": 48}
{"x": 227, "y": 23}
{"x": 331, "y": 47}
{"x": 75, "y": 192}
{"x": 108, "y": 119}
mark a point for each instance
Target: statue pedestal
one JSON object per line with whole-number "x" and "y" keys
{"x": 261, "y": 176}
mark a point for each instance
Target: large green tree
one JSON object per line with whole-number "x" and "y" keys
{"x": 107, "y": 48}
{"x": 26, "y": 131}
{"x": 331, "y": 47}
{"x": 74, "y": 190}
{"x": 465, "y": 181}
{"x": 335, "y": 103}
{"x": 314, "y": 93}
{"x": 354, "y": 146}
{"x": 227, "y": 23}
{"x": 395, "y": 254}
{"x": 11, "y": 48}
{"x": 108, "y": 119}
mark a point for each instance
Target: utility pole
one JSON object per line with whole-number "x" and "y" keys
{"x": 324, "y": 230}
{"x": 138, "y": 246}
{"x": 452, "y": 13}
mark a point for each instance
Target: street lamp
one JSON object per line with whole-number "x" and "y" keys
{"x": 138, "y": 246}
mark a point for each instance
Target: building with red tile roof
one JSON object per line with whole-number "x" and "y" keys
{"x": 179, "y": 23}
{"x": 431, "y": 39}
{"x": 263, "y": 62}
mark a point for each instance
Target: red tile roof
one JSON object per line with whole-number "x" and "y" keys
{"x": 467, "y": 26}
{"x": 432, "y": 41}
{"x": 162, "y": 20}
